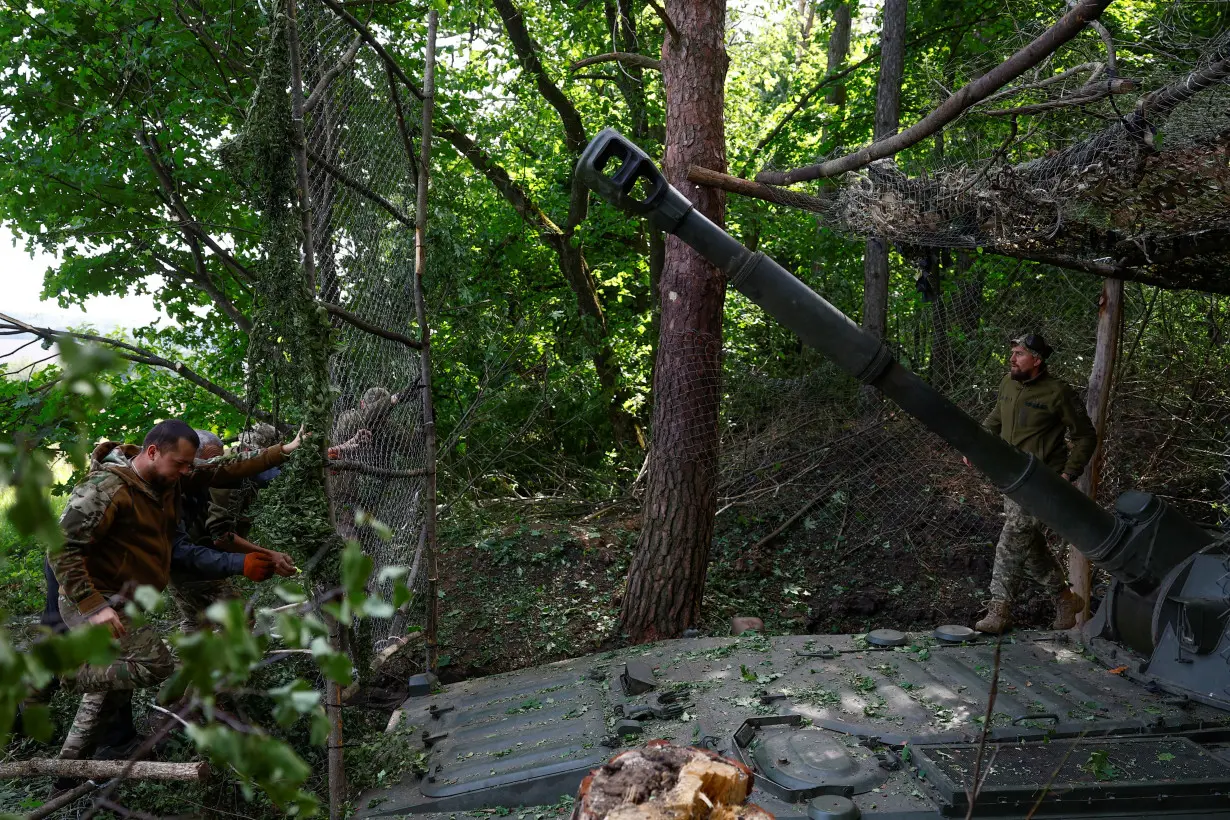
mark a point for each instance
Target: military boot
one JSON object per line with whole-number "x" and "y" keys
{"x": 998, "y": 619}
{"x": 1067, "y": 606}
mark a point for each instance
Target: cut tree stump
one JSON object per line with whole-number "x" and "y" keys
{"x": 96, "y": 769}
{"x": 661, "y": 781}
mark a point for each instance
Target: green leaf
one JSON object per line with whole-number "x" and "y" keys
{"x": 290, "y": 592}
{"x": 377, "y": 608}
{"x": 356, "y": 569}
{"x": 148, "y": 598}
{"x": 333, "y": 665}
{"x": 36, "y": 722}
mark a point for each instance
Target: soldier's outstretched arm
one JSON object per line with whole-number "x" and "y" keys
{"x": 230, "y": 470}
{"x": 87, "y": 518}
{"x": 202, "y": 563}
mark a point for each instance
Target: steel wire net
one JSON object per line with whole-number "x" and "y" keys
{"x": 362, "y": 133}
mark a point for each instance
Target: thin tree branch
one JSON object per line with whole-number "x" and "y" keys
{"x": 407, "y": 143}
{"x": 1026, "y": 58}
{"x": 666, "y": 20}
{"x": 202, "y": 281}
{"x": 499, "y": 177}
{"x": 352, "y": 183}
{"x": 326, "y": 79}
{"x": 975, "y": 786}
{"x": 829, "y": 79}
{"x": 140, "y": 355}
{"x": 150, "y": 147}
{"x": 383, "y": 472}
{"x": 1094, "y": 68}
{"x": 368, "y": 327}
{"x": 1083, "y": 96}
{"x": 756, "y": 190}
{"x": 527, "y": 55}
{"x": 371, "y": 40}
{"x": 627, "y": 58}
{"x": 60, "y": 801}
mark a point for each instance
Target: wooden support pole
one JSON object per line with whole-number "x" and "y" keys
{"x": 333, "y": 698}
{"x": 420, "y": 308}
{"x": 335, "y": 742}
{"x": 1101, "y": 378}
{"x": 103, "y": 769}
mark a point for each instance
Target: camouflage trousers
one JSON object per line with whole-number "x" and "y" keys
{"x": 1022, "y": 553}
{"x": 143, "y": 660}
{"x": 192, "y": 598}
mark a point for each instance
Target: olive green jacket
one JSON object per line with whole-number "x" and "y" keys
{"x": 1033, "y": 416}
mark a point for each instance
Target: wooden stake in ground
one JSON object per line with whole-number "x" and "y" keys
{"x": 666, "y": 782}
{"x": 420, "y": 313}
{"x": 1097, "y": 403}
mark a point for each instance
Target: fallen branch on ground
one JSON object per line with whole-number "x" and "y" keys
{"x": 789, "y": 522}
{"x": 97, "y": 769}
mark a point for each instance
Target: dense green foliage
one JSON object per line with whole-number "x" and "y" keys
{"x": 131, "y": 145}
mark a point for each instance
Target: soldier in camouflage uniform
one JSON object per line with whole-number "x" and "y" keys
{"x": 364, "y": 433}
{"x": 213, "y": 517}
{"x": 117, "y": 527}
{"x": 1032, "y": 412}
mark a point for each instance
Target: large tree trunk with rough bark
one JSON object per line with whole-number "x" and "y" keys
{"x": 667, "y": 576}
{"x": 888, "y": 117}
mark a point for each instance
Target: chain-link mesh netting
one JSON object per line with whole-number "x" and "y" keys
{"x": 362, "y": 129}
{"x": 799, "y": 436}
{"x": 1097, "y": 157}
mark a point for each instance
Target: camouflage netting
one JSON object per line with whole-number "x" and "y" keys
{"x": 1088, "y": 164}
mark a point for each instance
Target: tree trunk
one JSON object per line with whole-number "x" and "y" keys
{"x": 888, "y": 111}
{"x": 1097, "y": 403}
{"x": 839, "y": 49}
{"x": 667, "y": 576}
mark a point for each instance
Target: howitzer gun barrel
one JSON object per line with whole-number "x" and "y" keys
{"x": 622, "y": 174}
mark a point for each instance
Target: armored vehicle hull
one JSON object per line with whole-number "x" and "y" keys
{"x": 895, "y": 730}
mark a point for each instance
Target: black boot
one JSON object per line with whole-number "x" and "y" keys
{"x": 119, "y": 738}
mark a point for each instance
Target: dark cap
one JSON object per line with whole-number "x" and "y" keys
{"x": 1035, "y": 344}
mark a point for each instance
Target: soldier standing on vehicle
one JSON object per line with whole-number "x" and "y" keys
{"x": 1032, "y": 413}
{"x": 118, "y": 526}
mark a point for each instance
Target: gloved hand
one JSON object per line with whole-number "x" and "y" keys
{"x": 258, "y": 566}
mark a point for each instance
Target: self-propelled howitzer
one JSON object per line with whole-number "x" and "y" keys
{"x": 1170, "y": 593}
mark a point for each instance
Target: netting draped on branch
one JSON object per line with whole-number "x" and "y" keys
{"x": 1074, "y": 165}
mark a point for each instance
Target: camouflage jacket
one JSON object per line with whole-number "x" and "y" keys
{"x": 118, "y": 528}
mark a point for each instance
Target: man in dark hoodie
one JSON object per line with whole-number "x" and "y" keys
{"x": 118, "y": 526}
{"x": 193, "y": 590}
